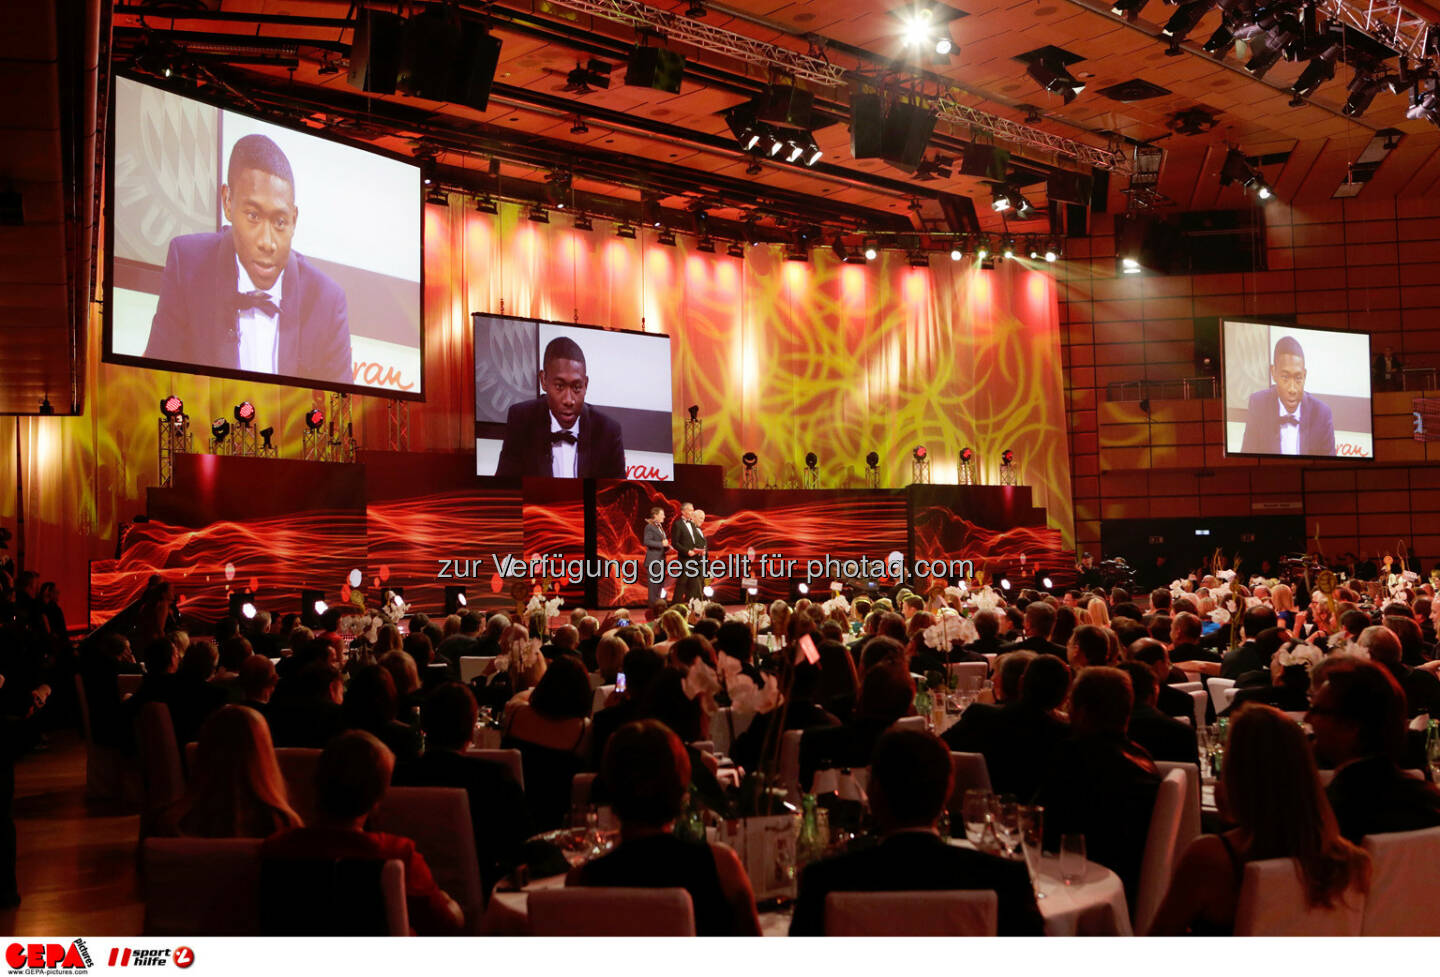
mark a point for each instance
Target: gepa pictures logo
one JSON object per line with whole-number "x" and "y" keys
{"x": 37, "y": 958}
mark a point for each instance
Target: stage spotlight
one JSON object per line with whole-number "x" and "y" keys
{"x": 811, "y": 460}
{"x": 750, "y": 459}
{"x": 1009, "y": 248}
{"x": 705, "y": 245}
{"x": 1363, "y": 89}
{"x": 172, "y": 407}
{"x": 265, "y": 435}
{"x": 1320, "y": 70}
{"x": 1055, "y": 77}
{"x": 437, "y": 196}
{"x": 320, "y": 607}
{"x": 245, "y": 412}
{"x": 583, "y": 223}
{"x": 694, "y": 411}
{"x": 485, "y": 204}
{"x": 1130, "y": 266}
{"x": 967, "y": 454}
{"x": 1034, "y": 252}
{"x": 1000, "y": 198}
{"x": 696, "y": 9}
{"x": 219, "y": 429}
{"x": 918, "y": 259}
{"x": 872, "y": 460}
{"x": 538, "y": 214}
{"x": 982, "y": 251}
{"x": 314, "y": 418}
{"x": 709, "y": 591}
{"x": 455, "y": 600}
{"x": 1004, "y": 582}
{"x": 626, "y": 231}
{"x": 666, "y": 237}
{"x": 1047, "y": 583}
{"x": 735, "y": 250}
{"x": 312, "y": 605}
{"x": 1052, "y": 252}
{"x": 802, "y": 587}
{"x": 920, "y": 453}
{"x": 242, "y": 604}
{"x": 870, "y": 252}
{"x": 956, "y": 254}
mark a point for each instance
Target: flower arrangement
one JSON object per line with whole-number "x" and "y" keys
{"x": 950, "y": 629}
{"x": 750, "y": 615}
{"x": 538, "y": 604}
{"x": 1299, "y": 654}
{"x": 836, "y": 602}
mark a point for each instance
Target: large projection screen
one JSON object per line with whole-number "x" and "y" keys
{"x": 1295, "y": 391}
{"x": 305, "y": 271}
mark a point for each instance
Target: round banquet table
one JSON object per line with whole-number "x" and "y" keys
{"x": 1094, "y": 906}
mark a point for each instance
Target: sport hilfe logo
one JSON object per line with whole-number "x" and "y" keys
{"x": 181, "y": 957}
{"x": 49, "y": 957}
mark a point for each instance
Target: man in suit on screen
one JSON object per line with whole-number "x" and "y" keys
{"x": 240, "y": 298}
{"x": 557, "y": 433}
{"x": 1283, "y": 419}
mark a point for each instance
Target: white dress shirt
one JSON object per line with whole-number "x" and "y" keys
{"x": 259, "y": 333}
{"x": 563, "y": 455}
{"x": 1290, "y": 433}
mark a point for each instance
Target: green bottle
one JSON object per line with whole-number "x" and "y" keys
{"x": 1432, "y": 743}
{"x": 923, "y": 702}
{"x": 690, "y": 826}
{"x": 809, "y": 846}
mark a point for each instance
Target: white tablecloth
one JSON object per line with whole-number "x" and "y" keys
{"x": 1094, "y": 906}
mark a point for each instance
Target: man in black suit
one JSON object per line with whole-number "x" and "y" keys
{"x": 1358, "y": 716}
{"x": 1421, "y": 687}
{"x": 1386, "y": 372}
{"x": 655, "y": 545}
{"x": 910, "y": 781}
{"x": 1185, "y": 631}
{"x": 1039, "y": 622}
{"x": 1021, "y": 739}
{"x": 497, "y": 803}
{"x": 1168, "y": 700}
{"x": 1163, "y": 737}
{"x": 690, "y": 545}
{"x": 987, "y": 630}
{"x": 1284, "y": 419}
{"x": 1101, "y": 761}
{"x": 557, "y": 433}
{"x": 240, "y": 298}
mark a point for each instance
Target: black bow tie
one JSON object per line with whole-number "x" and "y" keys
{"x": 1289, "y": 419}
{"x": 244, "y": 301}
{"x": 567, "y": 436}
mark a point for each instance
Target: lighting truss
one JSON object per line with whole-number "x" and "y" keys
{"x": 1390, "y": 23}
{"x": 806, "y": 67}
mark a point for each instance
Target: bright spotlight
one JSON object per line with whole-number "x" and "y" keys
{"x": 944, "y": 45}
{"x": 1004, "y": 583}
{"x": 1047, "y": 583}
{"x": 709, "y": 591}
{"x": 321, "y": 607}
{"x": 956, "y": 254}
{"x": 248, "y": 609}
{"x": 870, "y": 254}
{"x": 803, "y": 587}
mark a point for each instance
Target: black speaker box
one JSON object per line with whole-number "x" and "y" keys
{"x": 987, "y": 162}
{"x": 430, "y": 55}
{"x": 1069, "y": 186}
{"x": 375, "y": 51}
{"x": 786, "y": 105}
{"x": 654, "y": 67}
{"x": 867, "y": 120}
{"x": 906, "y": 134}
{"x": 476, "y": 70}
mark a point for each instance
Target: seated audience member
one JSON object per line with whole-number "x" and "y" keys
{"x": 161, "y": 658}
{"x": 641, "y": 667}
{"x": 609, "y": 658}
{"x": 974, "y": 723}
{"x": 232, "y": 655}
{"x": 1358, "y": 718}
{"x": 235, "y": 789}
{"x": 1024, "y": 735}
{"x": 882, "y": 650}
{"x": 801, "y": 710}
{"x": 1097, "y": 612}
{"x": 408, "y": 693}
{"x": 733, "y": 641}
{"x": 564, "y": 641}
{"x": 309, "y": 715}
{"x": 910, "y": 783}
{"x": 1066, "y": 621}
{"x": 646, "y": 769}
{"x": 195, "y": 696}
{"x": 105, "y": 657}
{"x": 421, "y": 649}
{"x": 1089, "y": 647}
{"x": 1185, "y": 641}
{"x": 1101, "y": 761}
{"x": 1163, "y": 737}
{"x": 1271, "y": 793}
{"x": 465, "y": 642}
{"x": 987, "y": 629}
{"x": 370, "y": 704}
{"x": 351, "y": 780}
{"x": 1386, "y": 648}
{"x": 839, "y": 683}
{"x": 1170, "y": 701}
{"x": 1289, "y": 686}
{"x": 257, "y": 683}
{"x": 886, "y": 694}
{"x": 497, "y": 804}
{"x": 588, "y": 629}
{"x": 673, "y": 623}
{"x": 551, "y": 731}
{"x": 1251, "y": 656}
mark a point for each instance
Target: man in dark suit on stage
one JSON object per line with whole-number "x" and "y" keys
{"x": 557, "y": 433}
{"x": 1284, "y": 419}
{"x": 655, "y": 546}
{"x": 690, "y": 545}
{"x": 910, "y": 781}
{"x": 240, "y": 298}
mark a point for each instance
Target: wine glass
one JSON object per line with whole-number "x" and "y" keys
{"x": 1032, "y": 836}
{"x": 1072, "y": 858}
{"x": 1005, "y": 815}
{"x": 975, "y": 811}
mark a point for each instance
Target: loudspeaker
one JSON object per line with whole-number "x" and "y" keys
{"x": 1100, "y": 191}
{"x": 475, "y": 73}
{"x": 959, "y": 213}
{"x": 1069, "y": 186}
{"x": 786, "y": 105}
{"x": 375, "y": 51}
{"x": 867, "y": 119}
{"x": 654, "y": 67}
{"x": 987, "y": 162}
{"x": 906, "y": 134}
{"x": 1207, "y": 346}
{"x": 429, "y": 55}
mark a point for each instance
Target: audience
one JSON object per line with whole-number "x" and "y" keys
{"x": 551, "y": 731}
{"x": 235, "y": 789}
{"x": 1162, "y": 737}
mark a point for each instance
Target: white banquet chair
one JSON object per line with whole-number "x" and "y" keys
{"x": 1272, "y": 903}
{"x": 1158, "y": 861}
{"x": 611, "y": 911}
{"x": 473, "y": 666}
{"x": 201, "y": 886}
{"x": 1217, "y": 688}
{"x": 437, "y": 819}
{"x": 971, "y": 773}
{"x": 1403, "y": 868}
{"x": 968, "y": 675}
{"x": 1189, "y": 804}
{"x": 510, "y": 759}
{"x": 955, "y": 912}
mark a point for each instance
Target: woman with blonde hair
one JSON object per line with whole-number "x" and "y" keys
{"x": 673, "y": 623}
{"x": 236, "y": 790}
{"x": 1097, "y": 612}
{"x": 1271, "y": 791}
{"x": 1282, "y": 598}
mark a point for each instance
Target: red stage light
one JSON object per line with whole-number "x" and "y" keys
{"x": 966, "y": 454}
{"x": 172, "y": 406}
{"x": 314, "y": 418}
{"x": 245, "y": 412}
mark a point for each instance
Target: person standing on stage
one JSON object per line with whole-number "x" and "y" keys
{"x": 687, "y": 545}
{"x": 655, "y": 546}
{"x": 697, "y": 518}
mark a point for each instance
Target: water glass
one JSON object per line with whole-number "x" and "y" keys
{"x": 1072, "y": 858}
{"x": 1005, "y": 815}
{"x": 1032, "y": 838}
{"x": 975, "y": 811}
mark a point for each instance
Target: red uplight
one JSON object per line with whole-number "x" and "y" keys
{"x": 314, "y": 418}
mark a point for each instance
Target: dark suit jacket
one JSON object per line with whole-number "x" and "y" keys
{"x": 195, "y": 322}
{"x": 1018, "y": 740}
{"x": 982, "y": 647}
{"x": 1163, "y": 738}
{"x": 600, "y": 452}
{"x": 1173, "y": 702}
{"x": 1262, "y": 425}
{"x": 1041, "y": 646}
{"x": 917, "y": 861}
{"x": 1186, "y": 652}
{"x": 1243, "y": 660}
{"x": 1371, "y": 796}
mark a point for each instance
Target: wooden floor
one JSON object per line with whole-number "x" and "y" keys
{"x": 77, "y": 864}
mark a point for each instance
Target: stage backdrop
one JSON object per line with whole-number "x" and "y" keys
{"x": 781, "y": 357}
